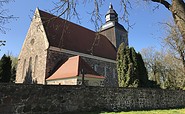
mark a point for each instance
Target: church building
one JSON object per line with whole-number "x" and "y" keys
{"x": 56, "y": 51}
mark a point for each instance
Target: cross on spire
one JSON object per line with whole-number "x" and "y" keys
{"x": 110, "y": 7}
{"x": 111, "y": 14}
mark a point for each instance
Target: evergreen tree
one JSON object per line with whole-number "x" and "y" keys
{"x": 143, "y": 75}
{"x": 131, "y": 69}
{"x": 120, "y": 66}
{"x": 5, "y": 69}
{"x": 14, "y": 66}
{"x": 127, "y": 67}
{"x": 13, "y": 74}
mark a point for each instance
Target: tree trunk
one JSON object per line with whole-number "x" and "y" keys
{"x": 178, "y": 12}
{"x": 177, "y": 9}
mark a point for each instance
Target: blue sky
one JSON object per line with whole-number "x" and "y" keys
{"x": 146, "y": 31}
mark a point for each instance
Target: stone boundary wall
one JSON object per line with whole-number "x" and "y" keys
{"x": 28, "y": 99}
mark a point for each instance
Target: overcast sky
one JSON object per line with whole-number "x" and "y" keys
{"x": 145, "y": 32}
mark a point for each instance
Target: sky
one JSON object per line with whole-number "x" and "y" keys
{"x": 146, "y": 31}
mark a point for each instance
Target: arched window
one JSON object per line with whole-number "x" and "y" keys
{"x": 114, "y": 73}
{"x": 96, "y": 67}
{"x": 30, "y": 64}
{"x": 23, "y": 68}
{"x": 30, "y": 67}
{"x": 28, "y": 78}
{"x": 105, "y": 71}
{"x": 35, "y": 65}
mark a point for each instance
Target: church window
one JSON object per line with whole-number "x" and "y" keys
{"x": 114, "y": 73}
{"x": 35, "y": 65}
{"x": 32, "y": 41}
{"x": 30, "y": 64}
{"x": 29, "y": 72}
{"x": 23, "y": 68}
{"x": 105, "y": 71}
{"x": 96, "y": 67}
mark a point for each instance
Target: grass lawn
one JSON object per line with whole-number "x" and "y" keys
{"x": 173, "y": 111}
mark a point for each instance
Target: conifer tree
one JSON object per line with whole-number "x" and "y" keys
{"x": 13, "y": 74}
{"x": 5, "y": 69}
{"x": 131, "y": 69}
{"x": 14, "y": 66}
{"x": 143, "y": 75}
{"x": 127, "y": 67}
{"x": 120, "y": 62}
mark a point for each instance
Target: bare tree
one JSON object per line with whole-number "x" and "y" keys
{"x": 68, "y": 9}
{"x": 164, "y": 68}
{"x": 174, "y": 42}
{"x": 176, "y": 50}
{"x": 176, "y": 7}
{"x": 167, "y": 67}
{"x": 153, "y": 59}
{"x": 4, "y": 18}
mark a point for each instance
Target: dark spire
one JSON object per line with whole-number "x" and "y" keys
{"x": 111, "y": 14}
{"x": 110, "y": 7}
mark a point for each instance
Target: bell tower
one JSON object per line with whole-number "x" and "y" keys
{"x": 111, "y": 14}
{"x": 114, "y": 31}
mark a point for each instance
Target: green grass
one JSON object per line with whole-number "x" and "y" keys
{"x": 169, "y": 111}
{"x": 173, "y": 111}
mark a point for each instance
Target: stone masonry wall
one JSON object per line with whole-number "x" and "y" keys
{"x": 19, "y": 99}
{"x": 32, "y": 59}
{"x": 55, "y": 58}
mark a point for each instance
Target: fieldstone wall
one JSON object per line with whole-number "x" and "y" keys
{"x": 32, "y": 59}
{"x": 27, "y": 99}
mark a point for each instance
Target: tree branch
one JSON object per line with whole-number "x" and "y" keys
{"x": 163, "y": 2}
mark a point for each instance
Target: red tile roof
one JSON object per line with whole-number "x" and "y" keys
{"x": 72, "y": 68}
{"x": 70, "y": 36}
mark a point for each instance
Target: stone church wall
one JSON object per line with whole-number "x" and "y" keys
{"x": 31, "y": 99}
{"x": 32, "y": 59}
{"x": 56, "y": 58}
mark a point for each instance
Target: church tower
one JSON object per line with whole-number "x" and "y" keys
{"x": 114, "y": 31}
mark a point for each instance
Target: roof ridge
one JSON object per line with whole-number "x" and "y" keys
{"x": 68, "y": 35}
{"x": 65, "y": 20}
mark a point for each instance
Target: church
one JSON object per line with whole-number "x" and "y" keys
{"x": 59, "y": 52}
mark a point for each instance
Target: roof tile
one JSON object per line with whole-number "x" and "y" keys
{"x": 72, "y": 68}
{"x": 67, "y": 35}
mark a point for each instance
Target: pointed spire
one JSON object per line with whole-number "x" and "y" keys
{"x": 111, "y": 14}
{"x": 110, "y": 7}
